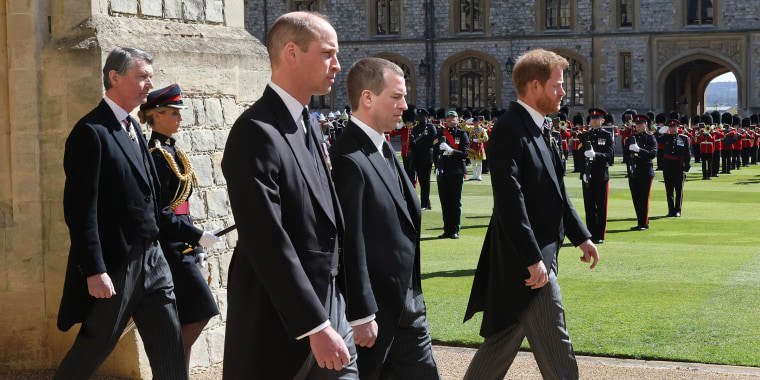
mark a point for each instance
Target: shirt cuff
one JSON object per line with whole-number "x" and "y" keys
{"x": 362, "y": 321}
{"x": 315, "y": 330}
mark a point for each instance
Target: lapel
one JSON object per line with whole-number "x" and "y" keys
{"x": 538, "y": 140}
{"x": 123, "y": 140}
{"x": 377, "y": 161}
{"x": 293, "y": 136}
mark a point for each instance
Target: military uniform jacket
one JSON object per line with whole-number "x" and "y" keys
{"x": 183, "y": 233}
{"x": 532, "y": 213}
{"x": 422, "y": 148}
{"x": 641, "y": 162}
{"x": 677, "y": 152}
{"x": 604, "y": 148}
{"x": 453, "y": 164}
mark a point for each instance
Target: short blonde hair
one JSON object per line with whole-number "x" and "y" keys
{"x": 300, "y": 28}
{"x": 535, "y": 65}
{"x": 146, "y": 116}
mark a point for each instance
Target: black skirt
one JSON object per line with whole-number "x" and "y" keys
{"x": 195, "y": 302}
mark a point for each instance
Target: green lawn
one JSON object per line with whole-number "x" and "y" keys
{"x": 687, "y": 289}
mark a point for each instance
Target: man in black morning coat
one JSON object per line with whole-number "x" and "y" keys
{"x": 381, "y": 246}
{"x": 515, "y": 283}
{"x": 116, "y": 269}
{"x": 285, "y": 311}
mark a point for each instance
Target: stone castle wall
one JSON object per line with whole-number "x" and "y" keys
{"x": 51, "y": 76}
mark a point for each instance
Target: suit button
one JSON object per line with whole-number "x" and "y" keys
{"x": 147, "y": 199}
{"x": 331, "y": 242}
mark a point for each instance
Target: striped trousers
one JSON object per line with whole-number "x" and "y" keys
{"x": 543, "y": 323}
{"x": 144, "y": 292}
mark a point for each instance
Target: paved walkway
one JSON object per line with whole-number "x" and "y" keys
{"x": 453, "y": 362}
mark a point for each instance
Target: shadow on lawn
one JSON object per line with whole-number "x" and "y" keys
{"x": 449, "y": 273}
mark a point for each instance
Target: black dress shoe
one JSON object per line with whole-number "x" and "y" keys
{"x": 443, "y": 236}
{"x": 454, "y": 236}
{"x": 639, "y": 228}
{"x": 677, "y": 215}
{"x": 599, "y": 241}
{"x": 670, "y": 215}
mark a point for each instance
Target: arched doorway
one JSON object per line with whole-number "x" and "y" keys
{"x": 683, "y": 81}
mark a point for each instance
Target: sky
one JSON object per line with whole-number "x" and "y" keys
{"x": 727, "y": 77}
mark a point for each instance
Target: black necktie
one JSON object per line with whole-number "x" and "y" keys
{"x": 390, "y": 160}
{"x": 307, "y": 133}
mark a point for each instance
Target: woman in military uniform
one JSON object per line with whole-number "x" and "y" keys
{"x": 195, "y": 304}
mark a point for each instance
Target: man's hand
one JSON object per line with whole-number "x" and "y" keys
{"x": 365, "y": 334}
{"x": 589, "y": 252}
{"x": 329, "y": 349}
{"x": 100, "y": 286}
{"x": 538, "y": 275}
{"x": 634, "y": 147}
{"x": 589, "y": 154}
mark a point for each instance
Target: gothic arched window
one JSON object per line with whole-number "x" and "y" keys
{"x": 472, "y": 83}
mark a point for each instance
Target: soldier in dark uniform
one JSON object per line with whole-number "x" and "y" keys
{"x": 423, "y": 135}
{"x": 195, "y": 304}
{"x": 597, "y": 146}
{"x": 452, "y": 145}
{"x": 642, "y": 149}
{"x": 676, "y": 162}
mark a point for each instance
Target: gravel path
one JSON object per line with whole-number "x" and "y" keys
{"x": 453, "y": 362}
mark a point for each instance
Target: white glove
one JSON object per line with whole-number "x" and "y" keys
{"x": 474, "y": 140}
{"x": 445, "y": 147}
{"x": 200, "y": 260}
{"x": 589, "y": 154}
{"x": 634, "y": 147}
{"x": 209, "y": 238}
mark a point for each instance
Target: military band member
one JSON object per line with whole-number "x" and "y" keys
{"x": 642, "y": 148}
{"x": 452, "y": 145}
{"x": 706, "y": 148}
{"x": 405, "y": 131}
{"x": 423, "y": 135}
{"x": 598, "y": 146}
{"x": 676, "y": 162}
{"x": 575, "y": 142}
{"x": 181, "y": 245}
{"x": 718, "y": 136}
{"x": 478, "y": 139}
{"x": 749, "y": 135}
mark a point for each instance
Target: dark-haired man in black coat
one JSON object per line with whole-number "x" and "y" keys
{"x": 116, "y": 269}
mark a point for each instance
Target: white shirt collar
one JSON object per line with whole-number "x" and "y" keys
{"x": 294, "y": 106}
{"x": 377, "y": 138}
{"x": 537, "y": 117}
{"x": 119, "y": 112}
